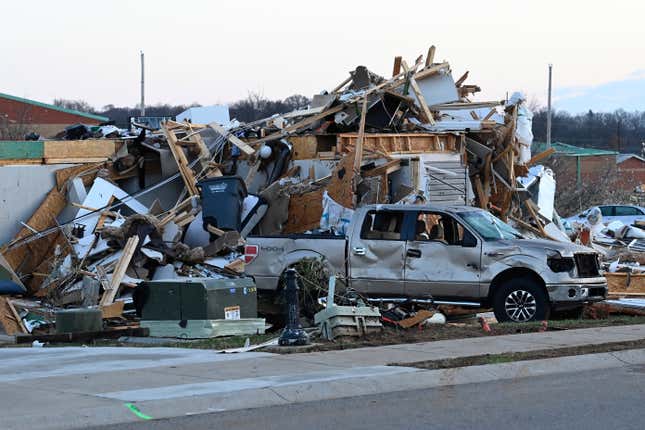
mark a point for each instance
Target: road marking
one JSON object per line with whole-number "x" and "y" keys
{"x": 232, "y": 385}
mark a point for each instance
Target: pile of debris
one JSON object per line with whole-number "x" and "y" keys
{"x": 178, "y": 202}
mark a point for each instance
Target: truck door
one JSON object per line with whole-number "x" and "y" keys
{"x": 443, "y": 258}
{"x": 377, "y": 253}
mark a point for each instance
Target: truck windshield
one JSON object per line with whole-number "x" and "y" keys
{"x": 489, "y": 227}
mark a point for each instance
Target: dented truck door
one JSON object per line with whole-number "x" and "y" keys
{"x": 443, "y": 258}
{"x": 376, "y": 253}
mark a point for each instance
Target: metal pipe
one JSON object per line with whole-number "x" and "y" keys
{"x": 424, "y": 301}
{"x": 548, "y": 111}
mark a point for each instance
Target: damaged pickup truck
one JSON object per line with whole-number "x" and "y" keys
{"x": 456, "y": 255}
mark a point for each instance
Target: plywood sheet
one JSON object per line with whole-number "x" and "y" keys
{"x": 90, "y": 148}
{"x": 305, "y": 211}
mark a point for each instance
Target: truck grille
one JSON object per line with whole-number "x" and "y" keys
{"x": 587, "y": 265}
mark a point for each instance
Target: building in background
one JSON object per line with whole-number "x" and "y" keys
{"x": 25, "y": 116}
{"x": 631, "y": 170}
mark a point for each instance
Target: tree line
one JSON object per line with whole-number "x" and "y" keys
{"x": 255, "y": 106}
{"x": 619, "y": 130}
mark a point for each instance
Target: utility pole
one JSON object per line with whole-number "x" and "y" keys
{"x": 143, "y": 101}
{"x": 548, "y": 112}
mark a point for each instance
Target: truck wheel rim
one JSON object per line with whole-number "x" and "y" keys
{"x": 520, "y": 305}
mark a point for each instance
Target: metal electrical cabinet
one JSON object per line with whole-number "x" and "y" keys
{"x": 200, "y": 307}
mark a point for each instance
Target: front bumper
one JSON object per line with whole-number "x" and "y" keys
{"x": 583, "y": 290}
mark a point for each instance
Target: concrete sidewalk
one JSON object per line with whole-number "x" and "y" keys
{"x": 81, "y": 387}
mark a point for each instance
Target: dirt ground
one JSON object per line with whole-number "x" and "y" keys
{"x": 525, "y": 356}
{"x": 459, "y": 330}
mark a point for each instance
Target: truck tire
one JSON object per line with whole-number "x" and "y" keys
{"x": 520, "y": 300}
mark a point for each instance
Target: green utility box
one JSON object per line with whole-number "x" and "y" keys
{"x": 200, "y": 307}
{"x": 79, "y": 320}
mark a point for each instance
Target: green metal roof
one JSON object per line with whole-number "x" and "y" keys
{"x": 53, "y": 107}
{"x": 566, "y": 150}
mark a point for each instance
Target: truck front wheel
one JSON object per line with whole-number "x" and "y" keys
{"x": 520, "y": 300}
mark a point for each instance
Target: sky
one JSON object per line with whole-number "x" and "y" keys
{"x": 218, "y": 51}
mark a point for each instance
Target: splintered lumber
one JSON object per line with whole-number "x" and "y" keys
{"x": 236, "y": 265}
{"x": 119, "y": 271}
{"x": 430, "y": 56}
{"x": 182, "y": 163}
{"x": 539, "y": 157}
{"x": 342, "y": 84}
{"x": 417, "y": 319}
{"x": 304, "y": 123}
{"x": 384, "y": 169}
{"x": 244, "y": 147}
{"x": 420, "y": 98}
{"x": 9, "y": 319}
{"x": 358, "y": 154}
{"x": 396, "y": 69}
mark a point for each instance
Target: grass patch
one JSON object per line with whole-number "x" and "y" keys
{"x": 478, "y": 360}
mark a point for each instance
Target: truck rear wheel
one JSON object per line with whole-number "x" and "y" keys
{"x": 520, "y": 300}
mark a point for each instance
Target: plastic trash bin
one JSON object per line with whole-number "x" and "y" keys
{"x": 222, "y": 199}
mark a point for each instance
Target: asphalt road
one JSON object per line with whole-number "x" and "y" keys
{"x": 612, "y": 398}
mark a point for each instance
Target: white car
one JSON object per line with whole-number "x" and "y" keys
{"x": 627, "y": 214}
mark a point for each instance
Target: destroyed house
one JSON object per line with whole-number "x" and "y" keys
{"x": 46, "y": 120}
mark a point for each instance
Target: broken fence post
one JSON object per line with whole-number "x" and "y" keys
{"x": 293, "y": 334}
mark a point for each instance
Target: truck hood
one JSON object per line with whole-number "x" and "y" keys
{"x": 540, "y": 246}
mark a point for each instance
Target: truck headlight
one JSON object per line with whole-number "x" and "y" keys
{"x": 558, "y": 263}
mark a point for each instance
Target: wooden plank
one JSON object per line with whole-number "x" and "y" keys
{"x": 358, "y": 154}
{"x": 417, "y": 319}
{"x": 305, "y": 122}
{"x": 430, "y": 56}
{"x": 396, "y": 69}
{"x": 384, "y": 169}
{"x": 342, "y": 84}
{"x": 243, "y": 146}
{"x": 15, "y": 314}
{"x": 462, "y": 79}
{"x": 542, "y": 155}
{"x": 420, "y": 98}
{"x": 432, "y": 70}
{"x": 182, "y": 163}
{"x": 75, "y": 160}
{"x": 63, "y": 175}
{"x": 11, "y": 323}
{"x": 79, "y": 149}
{"x": 119, "y": 271}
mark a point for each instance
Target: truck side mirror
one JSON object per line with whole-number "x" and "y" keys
{"x": 469, "y": 241}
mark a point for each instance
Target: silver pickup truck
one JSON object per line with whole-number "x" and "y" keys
{"x": 457, "y": 254}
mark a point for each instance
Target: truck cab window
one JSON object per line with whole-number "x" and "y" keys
{"x": 439, "y": 228}
{"x": 381, "y": 225}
